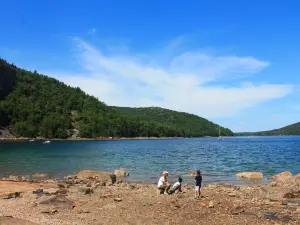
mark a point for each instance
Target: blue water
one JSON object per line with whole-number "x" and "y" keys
{"x": 219, "y": 160}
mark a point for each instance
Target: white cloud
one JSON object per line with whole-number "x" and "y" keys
{"x": 185, "y": 83}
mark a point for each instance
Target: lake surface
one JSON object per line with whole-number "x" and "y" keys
{"x": 219, "y": 160}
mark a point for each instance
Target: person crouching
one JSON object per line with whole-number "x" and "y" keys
{"x": 163, "y": 184}
{"x": 176, "y": 186}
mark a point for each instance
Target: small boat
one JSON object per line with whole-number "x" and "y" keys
{"x": 220, "y": 137}
{"x": 32, "y": 140}
{"x": 46, "y": 142}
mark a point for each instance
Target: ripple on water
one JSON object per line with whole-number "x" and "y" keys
{"x": 146, "y": 159}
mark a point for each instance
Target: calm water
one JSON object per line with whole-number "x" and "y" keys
{"x": 219, "y": 160}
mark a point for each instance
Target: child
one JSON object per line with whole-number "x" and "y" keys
{"x": 176, "y": 186}
{"x": 163, "y": 184}
{"x": 198, "y": 181}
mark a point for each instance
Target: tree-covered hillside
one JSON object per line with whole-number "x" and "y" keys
{"x": 193, "y": 125}
{"x": 37, "y": 105}
{"x": 293, "y": 129}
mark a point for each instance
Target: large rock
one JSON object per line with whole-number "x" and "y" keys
{"x": 250, "y": 175}
{"x": 51, "y": 191}
{"x": 121, "y": 173}
{"x": 93, "y": 174}
{"x": 282, "y": 177}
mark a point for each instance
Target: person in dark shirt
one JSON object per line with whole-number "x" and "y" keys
{"x": 198, "y": 182}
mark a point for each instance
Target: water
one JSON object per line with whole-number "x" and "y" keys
{"x": 219, "y": 160}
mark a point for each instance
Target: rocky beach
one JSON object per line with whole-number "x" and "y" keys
{"x": 95, "y": 197}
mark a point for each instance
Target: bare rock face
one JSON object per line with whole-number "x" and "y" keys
{"x": 250, "y": 175}
{"x": 282, "y": 177}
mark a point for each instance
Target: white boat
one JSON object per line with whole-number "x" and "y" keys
{"x": 219, "y": 134}
{"x": 46, "y": 142}
{"x": 32, "y": 140}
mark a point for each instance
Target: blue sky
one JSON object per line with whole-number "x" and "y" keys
{"x": 233, "y": 62}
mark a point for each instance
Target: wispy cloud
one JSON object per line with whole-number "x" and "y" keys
{"x": 187, "y": 82}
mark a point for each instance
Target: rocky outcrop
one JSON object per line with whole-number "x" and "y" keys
{"x": 282, "y": 177}
{"x": 250, "y": 175}
{"x": 99, "y": 175}
{"x": 121, "y": 173}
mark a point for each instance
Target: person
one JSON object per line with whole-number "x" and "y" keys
{"x": 176, "y": 186}
{"x": 198, "y": 182}
{"x": 163, "y": 184}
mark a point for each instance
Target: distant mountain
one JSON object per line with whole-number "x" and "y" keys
{"x": 34, "y": 105}
{"x": 192, "y": 125}
{"x": 293, "y": 129}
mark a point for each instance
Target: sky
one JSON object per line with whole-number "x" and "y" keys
{"x": 235, "y": 63}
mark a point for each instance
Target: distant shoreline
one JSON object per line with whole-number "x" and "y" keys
{"x": 84, "y": 139}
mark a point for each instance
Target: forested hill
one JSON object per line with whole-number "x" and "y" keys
{"x": 33, "y": 105}
{"x": 293, "y": 129}
{"x": 192, "y": 124}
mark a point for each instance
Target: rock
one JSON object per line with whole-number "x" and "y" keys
{"x": 41, "y": 176}
{"x": 90, "y": 174}
{"x": 62, "y": 191}
{"x": 203, "y": 204}
{"x": 120, "y": 182}
{"x": 38, "y": 191}
{"x": 86, "y": 191}
{"x": 250, "y": 175}
{"x": 113, "y": 178}
{"x": 118, "y": 199}
{"x": 132, "y": 186}
{"x": 14, "y": 178}
{"x": 49, "y": 211}
{"x": 70, "y": 177}
{"x": 211, "y": 204}
{"x": 282, "y": 177}
{"x": 58, "y": 201}
{"x": 9, "y": 195}
{"x": 237, "y": 210}
{"x": 51, "y": 191}
{"x": 60, "y": 186}
{"x": 292, "y": 194}
{"x": 89, "y": 184}
{"x": 231, "y": 194}
{"x": 121, "y": 173}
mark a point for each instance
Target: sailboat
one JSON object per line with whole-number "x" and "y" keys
{"x": 219, "y": 134}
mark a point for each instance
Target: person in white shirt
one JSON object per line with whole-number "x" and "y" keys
{"x": 163, "y": 184}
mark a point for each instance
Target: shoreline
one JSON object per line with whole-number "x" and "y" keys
{"x": 92, "y": 196}
{"x": 22, "y": 139}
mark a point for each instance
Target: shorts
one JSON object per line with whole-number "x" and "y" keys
{"x": 197, "y": 188}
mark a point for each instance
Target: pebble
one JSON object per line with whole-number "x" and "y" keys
{"x": 49, "y": 211}
{"x": 211, "y": 204}
{"x": 231, "y": 194}
{"x": 118, "y": 199}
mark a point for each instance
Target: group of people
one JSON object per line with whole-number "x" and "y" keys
{"x": 165, "y": 187}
